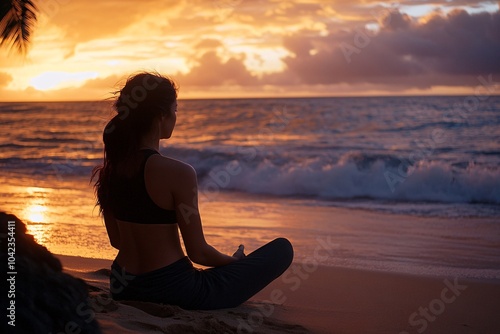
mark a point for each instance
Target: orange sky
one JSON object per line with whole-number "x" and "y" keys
{"x": 245, "y": 48}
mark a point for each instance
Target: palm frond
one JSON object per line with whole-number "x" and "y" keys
{"x": 17, "y": 18}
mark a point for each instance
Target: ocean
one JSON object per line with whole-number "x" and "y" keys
{"x": 424, "y": 172}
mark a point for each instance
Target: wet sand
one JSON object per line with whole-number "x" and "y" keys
{"x": 312, "y": 298}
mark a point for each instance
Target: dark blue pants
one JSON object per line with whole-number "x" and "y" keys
{"x": 227, "y": 286}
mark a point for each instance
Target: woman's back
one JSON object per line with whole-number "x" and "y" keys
{"x": 130, "y": 199}
{"x": 142, "y": 210}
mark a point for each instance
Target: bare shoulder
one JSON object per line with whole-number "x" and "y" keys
{"x": 162, "y": 167}
{"x": 168, "y": 180}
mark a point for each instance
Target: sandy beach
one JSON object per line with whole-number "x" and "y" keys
{"x": 312, "y": 299}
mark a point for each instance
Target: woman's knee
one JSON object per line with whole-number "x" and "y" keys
{"x": 285, "y": 249}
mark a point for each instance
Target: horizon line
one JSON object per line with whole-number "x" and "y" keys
{"x": 261, "y": 97}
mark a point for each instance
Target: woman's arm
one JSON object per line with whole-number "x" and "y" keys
{"x": 188, "y": 217}
{"x": 112, "y": 228}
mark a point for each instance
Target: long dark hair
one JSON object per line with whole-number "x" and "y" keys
{"x": 144, "y": 98}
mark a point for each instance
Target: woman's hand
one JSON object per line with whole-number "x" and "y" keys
{"x": 240, "y": 254}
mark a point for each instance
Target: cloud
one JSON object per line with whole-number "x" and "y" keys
{"x": 443, "y": 50}
{"x": 5, "y": 79}
{"x": 84, "y": 21}
{"x": 456, "y": 44}
{"x": 208, "y": 43}
{"x": 111, "y": 82}
{"x": 394, "y": 21}
{"x": 212, "y": 71}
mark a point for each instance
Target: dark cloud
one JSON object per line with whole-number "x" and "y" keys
{"x": 394, "y": 20}
{"x": 457, "y": 44}
{"x": 444, "y": 50}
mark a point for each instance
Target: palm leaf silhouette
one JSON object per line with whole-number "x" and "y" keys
{"x": 17, "y": 18}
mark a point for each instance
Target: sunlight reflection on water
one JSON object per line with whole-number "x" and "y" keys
{"x": 35, "y": 213}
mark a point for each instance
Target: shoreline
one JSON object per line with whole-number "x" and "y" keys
{"x": 68, "y": 223}
{"x": 317, "y": 299}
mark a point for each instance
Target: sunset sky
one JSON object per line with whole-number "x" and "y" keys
{"x": 245, "y": 48}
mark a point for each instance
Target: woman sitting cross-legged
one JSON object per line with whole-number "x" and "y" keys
{"x": 147, "y": 198}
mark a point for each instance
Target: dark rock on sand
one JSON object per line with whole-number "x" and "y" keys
{"x": 46, "y": 299}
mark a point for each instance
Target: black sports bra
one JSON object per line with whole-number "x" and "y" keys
{"x": 130, "y": 201}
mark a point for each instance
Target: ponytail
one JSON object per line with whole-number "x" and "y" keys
{"x": 144, "y": 98}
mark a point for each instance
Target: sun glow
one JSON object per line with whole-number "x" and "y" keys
{"x": 53, "y": 80}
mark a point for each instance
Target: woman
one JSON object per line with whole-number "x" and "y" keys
{"x": 146, "y": 198}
